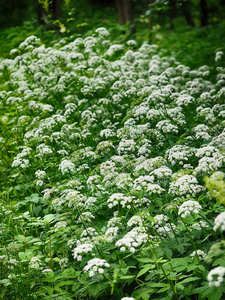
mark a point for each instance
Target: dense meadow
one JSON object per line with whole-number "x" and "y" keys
{"x": 112, "y": 173}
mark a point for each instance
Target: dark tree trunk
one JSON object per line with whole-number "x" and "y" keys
{"x": 151, "y": 18}
{"x": 187, "y": 13}
{"x": 54, "y": 11}
{"x": 125, "y": 11}
{"x": 119, "y": 6}
{"x": 172, "y": 12}
{"x": 204, "y": 13}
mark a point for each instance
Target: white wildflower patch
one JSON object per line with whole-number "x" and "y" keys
{"x": 66, "y": 166}
{"x": 219, "y": 222}
{"x": 81, "y": 249}
{"x": 216, "y": 276}
{"x": 179, "y": 154}
{"x": 199, "y": 253}
{"x": 111, "y": 233}
{"x": 120, "y": 199}
{"x": 96, "y": 266}
{"x": 150, "y": 164}
{"x": 189, "y": 207}
{"x": 132, "y": 239}
{"x": 185, "y": 186}
{"x": 127, "y": 146}
{"x": 118, "y": 139}
{"x": 162, "y": 173}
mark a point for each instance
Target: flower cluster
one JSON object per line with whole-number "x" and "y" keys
{"x": 66, "y": 166}
{"x": 80, "y": 249}
{"x": 96, "y": 266}
{"x": 132, "y": 239}
{"x": 185, "y": 186}
{"x": 201, "y": 254}
{"x": 216, "y": 276}
{"x": 189, "y": 207}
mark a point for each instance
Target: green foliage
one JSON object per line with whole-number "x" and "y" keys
{"x": 216, "y": 188}
{"x": 104, "y": 150}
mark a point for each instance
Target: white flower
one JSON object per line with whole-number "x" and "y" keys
{"x": 186, "y": 185}
{"x": 59, "y": 225}
{"x": 111, "y": 233}
{"x": 219, "y": 222}
{"x": 80, "y": 249}
{"x": 126, "y": 146}
{"x": 63, "y": 262}
{"x": 135, "y": 220}
{"x": 89, "y": 231}
{"x": 47, "y": 270}
{"x": 189, "y": 207}
{"x": 66, "y": 166}
{"x": 218, "y": 56}
{"x": 39, "y": 182}
{"x": 40, "y": 174}
{"x": 201, "y": 254}
{"x": 95, "y": 266}
{"x": 132, "y": 239}
{"x": 216, "y": 276}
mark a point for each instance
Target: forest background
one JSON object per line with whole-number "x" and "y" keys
{"x": 190, "y": 30}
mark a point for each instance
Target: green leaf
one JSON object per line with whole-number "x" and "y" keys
{"x": 49, "y": 274}
{"x": 50, "y": 217}
{"x": 22, "y": 256}
{"x": 145, "y": 296}
{"x": 179, "y": 286}
{"x": 65, "y": 282}
{"x": 37, "y": 210}
{"x": 157, "y": 285}
{"x": 35, "y": 198}
{"x": 219, "y": 261}
{"x": 145, "y": 260}
{"x": 127, "y": 277}
{"x": 166, "y": 288}
{"x": 144, "y": 270}
{"x": 71, "y": 273}
{"x": 189, "y": 279}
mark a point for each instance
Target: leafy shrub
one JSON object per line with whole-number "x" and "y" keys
{"x": 104, "y": 148}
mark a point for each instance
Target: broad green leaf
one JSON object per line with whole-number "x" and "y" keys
{"x": 157, "y": 285}
{"x": 145, "y": 260}
{"x": 189, "y": 279}
{"x": 127, "y": 277}
{"x": 144, "y": 270}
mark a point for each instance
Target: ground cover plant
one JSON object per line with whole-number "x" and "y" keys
{"x": 112, "y": 173}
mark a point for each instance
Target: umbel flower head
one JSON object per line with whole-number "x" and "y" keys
{"x": 216, "y": 276}
{"x": 96, "y": 266}
{"x": 219, "y": 222}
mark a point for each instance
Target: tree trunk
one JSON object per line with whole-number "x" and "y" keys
{"x": 187, "y": 13}
{"x": 204, "y": 13}
{"x": 125, "y": 11}
{"x": 119, "y": 6}
{"x": 172, "y": 12}
{"x": 150, "y": 18}
{"x": 56, "y": 9}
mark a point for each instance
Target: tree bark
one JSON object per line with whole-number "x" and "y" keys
{"x": 54, "y": 11}
{"x": 125, "y": 11}
{"x": 172, "y": 12}
{"x": 187, "y": 13}
{"x": 204, "y": 13}
{"x": 119, "y": 6}
{"x": 150, "y": 18}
